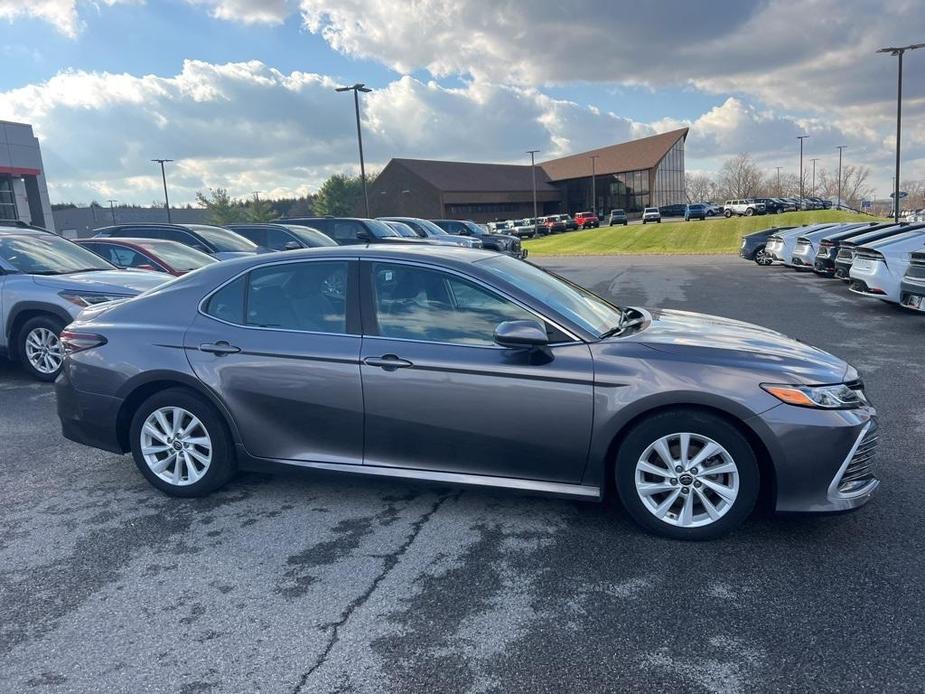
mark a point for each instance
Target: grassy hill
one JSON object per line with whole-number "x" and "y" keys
{"x": 716, "y": 235}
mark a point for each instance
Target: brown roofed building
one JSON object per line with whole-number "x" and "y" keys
{"x": 632, "y": 175}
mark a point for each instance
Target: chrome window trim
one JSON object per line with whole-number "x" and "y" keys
{"x": 833, "y": 493}
{"x": 201, "y": 307}
{"x": 427, "y": 266}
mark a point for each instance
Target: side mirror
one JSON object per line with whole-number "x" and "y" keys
{"x": 521, "y": 334}
{"x": 292, "y": 246}
{"x": 362, "y": 235}
{"x": 465, "y": 232}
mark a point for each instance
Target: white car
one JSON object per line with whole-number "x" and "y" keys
{"x": 878, "y": 267}
{"x": 912, "y": 294}
{"x": 780, "y": 245}
{"x": 743, "y": 207}
{"x": 807, "y": 244}
{"x": 651, "y": 214}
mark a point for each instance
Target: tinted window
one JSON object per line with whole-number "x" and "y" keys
{"x": 183, "y": 237}
{"x": 258, "y": 236}
{"x": 299, "y": 296}
{"x": 277, "y": 239}
{"x": 227, "y": 303}
{"x": 310, "y": 237}
{"x": 224, "y": 240}
{"x": 345, "y": 231}
{"x": 179, "y": 257}
{"x": 126, "y": 257}
{"x": 141, "y": 232}
{"x": 414, "y": 303}
{"x": 48, "y": 254}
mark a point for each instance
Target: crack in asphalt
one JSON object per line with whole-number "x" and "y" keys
{"x": 391, "y": 560}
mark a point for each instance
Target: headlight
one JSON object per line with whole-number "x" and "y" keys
{"x": 89, "y": 299}
{"x": 830, "y": 397}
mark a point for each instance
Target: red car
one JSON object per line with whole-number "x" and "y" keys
{"x": 148, "y": 254}
{"x": 587, "y": 220}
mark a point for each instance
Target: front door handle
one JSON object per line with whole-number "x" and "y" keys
{"x": 389, "y": 362}
{"x": 219, "y": 348}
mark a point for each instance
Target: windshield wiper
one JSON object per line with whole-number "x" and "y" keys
{"x": 610, "y": 332}
{"x": 85, "y": 269}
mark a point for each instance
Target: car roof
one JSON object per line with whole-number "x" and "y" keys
{"x": 907, "y": 236}
{"x": 888, "y": 232}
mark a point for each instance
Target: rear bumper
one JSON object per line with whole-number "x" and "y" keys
{"x": 824, "y": 266}
{"x": 87, "y": 418}
{"x": 912, "y": 296}
{"x": 801, "y": 262}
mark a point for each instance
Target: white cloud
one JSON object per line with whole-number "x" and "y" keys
{"x": 62, "y": 14}
{"x": 248, "y": 11}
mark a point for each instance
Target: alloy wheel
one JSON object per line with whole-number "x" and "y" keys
{"x": 687, "y": 480}
{"x": 176, "y": 446}
{"x": 762, "y": 257}
{"x": 43, "y": 350}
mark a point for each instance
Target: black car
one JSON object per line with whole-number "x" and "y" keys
{"x": 221, "y": 243}
{"x": 844, "y": 259}
{"x": 752, "y": 247}
{"x": 282, "y": 237}
{"x": 672, "y": 210}
{"x": 503, "y": 243}
{"x": 824, "y": 264}
{"x": 771, "y": 205}
{"x": 348, "y": 231}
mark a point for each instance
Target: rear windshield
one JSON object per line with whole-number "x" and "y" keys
{"x": 179, "y": 257}
{"x": 224, "y": 240}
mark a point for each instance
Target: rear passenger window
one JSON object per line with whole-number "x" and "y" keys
{"x": 227, "y": 303}
{"x": 299, "y": 296}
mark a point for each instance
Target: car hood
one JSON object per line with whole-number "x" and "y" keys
{"x": 724, "y": 341}
{"x": 504, "y": 237}
{"x": 127, "y": 282}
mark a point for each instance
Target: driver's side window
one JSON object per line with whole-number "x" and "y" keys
{"x": 416, "y": 303}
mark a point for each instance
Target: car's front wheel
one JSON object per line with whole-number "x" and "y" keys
{"x": 727, "y": 214}
{"x": 181, "y": 443}
{"x": 687, "y": 475}
{"x": 749, "y": 211}
{"x": 39, "y": 347}
{"x": 762, "y": 257}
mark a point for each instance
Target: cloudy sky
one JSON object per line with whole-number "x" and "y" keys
{"x": 241, "y": 92}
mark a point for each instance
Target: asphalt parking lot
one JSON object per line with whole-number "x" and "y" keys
{"x": 308, "y": 583}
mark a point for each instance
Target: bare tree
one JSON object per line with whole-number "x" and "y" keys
{"x": 916, "y": 191}
{"x": 854, "y": 185}
{"x": 740, "y": 177}
{"x": 699, "y": 187}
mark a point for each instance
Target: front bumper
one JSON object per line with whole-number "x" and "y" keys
{"x": 823, "y": 458}
{"x": 87, "y": 418}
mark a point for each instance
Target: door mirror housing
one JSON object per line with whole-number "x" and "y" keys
{"x": 292, "y": 246}
{"x": 521, "y": 334}
{"x": 362, "y": 235}
{"x": 465, "y": 232}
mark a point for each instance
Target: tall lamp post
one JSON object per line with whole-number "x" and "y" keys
{"x": 814, "y": 160}
{"x": 356, "y": 89}
{"x": 801, "y": 138}
{"x": 532, "y": 153}
{"x": 898, "y": 52}
{"x": 779, "y": 192}
{"x": 112, "y": 211}
{"x": 593, "y": 159}
{"x": 164, "y": 179}
{"x": 840, "y": 148}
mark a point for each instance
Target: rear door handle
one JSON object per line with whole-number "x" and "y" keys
{"x": 389, "y": 362}
{"x": 220, "y": 348}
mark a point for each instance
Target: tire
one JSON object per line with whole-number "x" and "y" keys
{"x": 741, "y": 482}
{"x": 762, "y": 258}
{"x": 219, "y": 452}
{"x": 643, "y": 221}
{"x": 727, "y": 213}
{"x": 39, "y": 350}
{"x": 749, "y": 211}
{"x": 658, "y": 221}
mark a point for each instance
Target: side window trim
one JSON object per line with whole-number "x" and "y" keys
{"x": 352, "y": 308}
{"x": 370, "y": 324}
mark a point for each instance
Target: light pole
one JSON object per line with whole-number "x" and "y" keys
{"x": 814, "y": 160}
{"x": 112, "y": 211}
{"x": 779, "y": 192}
{"x": 898, "y": 52}
{"x": 164, "y": 179}
{"x": 839, "y": 148}
{"x": 356, "y": 89}
{"x": 801, "y": 138}
{"x": 593, "y": 159}
{"x": 532, "y": 153}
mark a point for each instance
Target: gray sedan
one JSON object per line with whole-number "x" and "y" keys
{"x": 465, "y": 367}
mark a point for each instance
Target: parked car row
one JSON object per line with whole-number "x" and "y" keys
{"x": 881, "y": 260}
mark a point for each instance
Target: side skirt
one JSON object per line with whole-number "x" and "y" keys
{"x": 558, "y": 489}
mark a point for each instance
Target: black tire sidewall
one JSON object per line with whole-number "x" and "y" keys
{"x": 52, "y": 323}
{"x": 706, "y": 424}
{"x": 223, "y": 465}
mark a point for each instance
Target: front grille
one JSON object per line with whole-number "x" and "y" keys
{"x": 859, "y": 472}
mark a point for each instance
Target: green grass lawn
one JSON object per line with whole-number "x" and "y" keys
{"x": 716, "y": 235}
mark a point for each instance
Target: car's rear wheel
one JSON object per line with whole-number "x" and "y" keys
{"x": 39, "y": 347}
{"x": 181, "y": 444}
{"x": 762, "y": 257}
{"x": 687, "y": 475}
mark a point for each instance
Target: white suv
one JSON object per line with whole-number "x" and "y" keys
{"x": 651, "y": 214}
{"x": 743, "y": 207}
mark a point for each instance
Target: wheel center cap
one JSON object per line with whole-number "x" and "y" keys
{"x": 178, "y": 445}
{"x": 686, "y": 479}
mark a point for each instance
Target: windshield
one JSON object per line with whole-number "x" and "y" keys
{"x": 431, "y": 228}
{"x": 309, "y": 236}
{"x": 474, "y": 228}
{"x": 578, "y": 305}
{"x": 380, "y": 229}
{"x": 45, "y": 254}
{"x": 179, "y": 257}
{"x": 224, "y": 240}
{"x": 403, "y": 229}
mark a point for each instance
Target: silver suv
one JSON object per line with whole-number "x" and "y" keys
{"x": 746, "y": 207}
{"x": 45, "y": 281}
